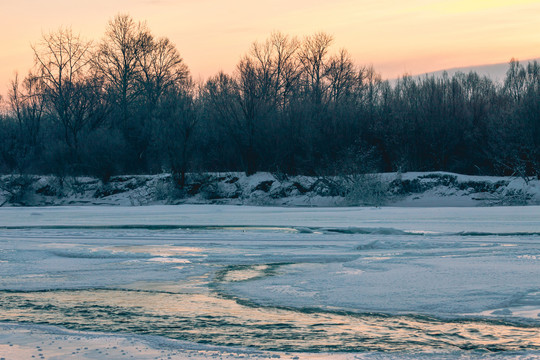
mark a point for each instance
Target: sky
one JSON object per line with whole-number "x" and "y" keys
{"x": 395, "y": 36}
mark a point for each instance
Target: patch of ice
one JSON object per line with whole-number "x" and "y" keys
{"x": 169, "y": 260}
{"x": 245, "y": 273}
{"x": 529, "y": 257}
{"x": 505, "y": 311}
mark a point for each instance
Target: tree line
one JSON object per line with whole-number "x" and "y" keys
{"x": 128, "y": 104}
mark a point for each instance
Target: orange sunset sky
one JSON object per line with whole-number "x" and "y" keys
{"x": 396, "y": 36}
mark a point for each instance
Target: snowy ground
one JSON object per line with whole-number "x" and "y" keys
{"x": 215, "y": 281}
{"x": 413, "y": 189}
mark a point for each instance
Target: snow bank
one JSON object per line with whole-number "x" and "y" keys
{"x": 395, "y": 189}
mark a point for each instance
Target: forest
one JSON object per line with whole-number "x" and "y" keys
{"x": 127, "y": 104}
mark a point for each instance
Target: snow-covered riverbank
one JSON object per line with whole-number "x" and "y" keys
{"x": 433, "y": 189}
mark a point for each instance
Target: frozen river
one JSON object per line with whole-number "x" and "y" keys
{"x": 356, "y": 281}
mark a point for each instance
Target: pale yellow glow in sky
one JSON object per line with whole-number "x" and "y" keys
{"x": 464, "y": 6}
{"x": 396, "y": 36}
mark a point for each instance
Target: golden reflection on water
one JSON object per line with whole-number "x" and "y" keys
{"x": 158, "y": 250}
{"x": 210, "y": 318}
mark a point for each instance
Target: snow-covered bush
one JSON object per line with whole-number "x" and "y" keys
{"x": 165, "y": 190}
{"x": 18, "y": 188}
{"x": 366, "y": 189}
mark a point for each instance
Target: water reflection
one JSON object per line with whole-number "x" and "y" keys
{"x": 210, "y": 318}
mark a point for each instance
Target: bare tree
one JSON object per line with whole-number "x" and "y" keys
{"x": 28, "y": 106}
{"x": 223, "y": 108}
{"x": 261, "y": 88}
{"x": 161, "y": 68}
{"x": 313, "y": 57}
{"x": 515, "y": 81}
{"x": 117, "y": 59}
{"x": 342, "y": 76}
{"x": 178, "y": 117}
{"x": 276, "y": 67}
{"x": 62, "y": 67}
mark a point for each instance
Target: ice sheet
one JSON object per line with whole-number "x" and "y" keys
{"x": 357, "y": 270}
